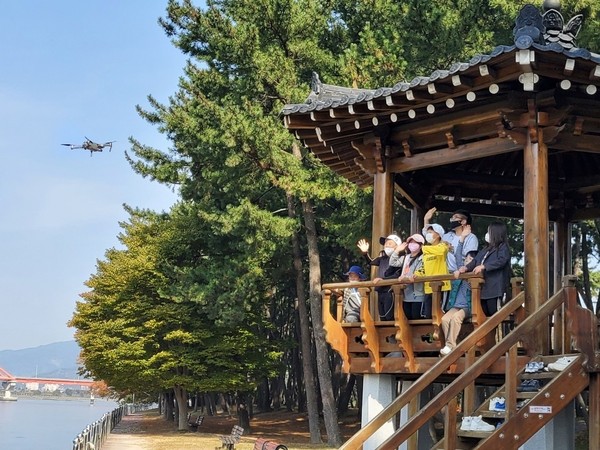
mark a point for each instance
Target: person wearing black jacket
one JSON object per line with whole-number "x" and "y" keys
{"x": 493, "y": 261}
{"x": 385, "y": 296}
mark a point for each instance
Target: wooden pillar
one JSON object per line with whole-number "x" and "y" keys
{"x": 561, "y": 244}
{"x": 535, "y": 162}
{"x": 568, "y": 255}
{"x": 560, "y": 236}
{"x": 383, "y": 191}
{"x": 416, "y": 220}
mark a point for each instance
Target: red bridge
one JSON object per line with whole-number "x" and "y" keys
{"x": 5, "y": 376}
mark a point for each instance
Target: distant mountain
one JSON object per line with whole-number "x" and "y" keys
{"x": 57, "y": 360}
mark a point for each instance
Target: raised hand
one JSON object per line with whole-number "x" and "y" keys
{"x": 363, "y": 245}
{"x": 429, "y": 214}
{"x": 465, "y": 231}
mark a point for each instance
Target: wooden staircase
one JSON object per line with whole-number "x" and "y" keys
{"x": 579, "y": 330}
{"x": 526, "y": 412}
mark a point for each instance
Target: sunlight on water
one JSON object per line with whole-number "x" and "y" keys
{"x": 32, "y": 424}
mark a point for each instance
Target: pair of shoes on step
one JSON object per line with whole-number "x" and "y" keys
{"x": 497, "y": 404}
{"x": 529, "y": 386}
{"x": 445, "y": 350}
{"x": 560, "y": 364}
{"x": 476, "y": 423}
{"x": 534, "y": 367}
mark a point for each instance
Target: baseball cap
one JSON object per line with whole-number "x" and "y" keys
{"x": 437, "y": 228}
{"x": 417, "y": 238}
{"x": 357, "y": 270}
{"x": 391, "y": 237}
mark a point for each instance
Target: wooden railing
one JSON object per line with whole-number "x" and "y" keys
{"x": 372, "y": 332}
{"x": 465, "y": 382}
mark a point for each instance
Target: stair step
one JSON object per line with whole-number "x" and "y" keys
{"x": 474, "y": 434}
{"x": 492, "y": 414}
{"x": 537, "y": 375}
{"x": 521, "y": 394}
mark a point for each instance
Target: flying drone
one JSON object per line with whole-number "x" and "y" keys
{"x": 91, "y": 146}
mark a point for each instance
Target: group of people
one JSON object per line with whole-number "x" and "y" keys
{"x": 436, "y": 252}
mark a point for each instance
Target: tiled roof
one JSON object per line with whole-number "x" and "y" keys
{"x": 325, "y": 96}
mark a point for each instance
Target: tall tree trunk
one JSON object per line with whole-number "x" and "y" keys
{"x": 294, "y": 395}
{"x": 309, "y": 380}
{"x": 263, "y": 398}
{"x": 169, "y": 407}
{"x": 242, "y": 413}
{"x": 181, "y": 398}
{"x": 329, "y": 408}
{"x": 346, "y": 394}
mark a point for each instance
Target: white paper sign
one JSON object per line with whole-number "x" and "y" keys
{"x": 540, "y": 409}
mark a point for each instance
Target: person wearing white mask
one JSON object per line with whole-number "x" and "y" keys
{"x": 385, "y": 297}
{"x": 493, "y": 262}
{"x": 434, "y": 261}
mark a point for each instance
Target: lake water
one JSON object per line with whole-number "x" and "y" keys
{"x": 32, "y": 424}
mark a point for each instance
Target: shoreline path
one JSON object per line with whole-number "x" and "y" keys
{"x": 149, "y": 431}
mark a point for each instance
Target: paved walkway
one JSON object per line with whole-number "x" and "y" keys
{"x": 149, "y": 431}
{"x": 129, "y": 434}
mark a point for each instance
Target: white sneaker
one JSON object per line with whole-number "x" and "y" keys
{"x": 497, "y": 404}
{"x": 493, "y": 401}
{"x": 445, "y": 350}
{"x": 560, "y": 364}
{"x": 466, "y": 423}
{"x": 478, "y": 424}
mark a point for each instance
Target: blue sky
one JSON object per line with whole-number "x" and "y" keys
{"x": 70, "y": 69}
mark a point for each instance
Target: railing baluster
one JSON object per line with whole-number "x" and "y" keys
{"x": 450, "y": 424}
{"x": 510, "y": 382}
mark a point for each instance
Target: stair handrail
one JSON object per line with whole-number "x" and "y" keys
{"x": 440, "y": 367}
{"x": 467, "y": 377}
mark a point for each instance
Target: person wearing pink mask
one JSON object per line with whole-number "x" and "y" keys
{"x": 410, "y": 258}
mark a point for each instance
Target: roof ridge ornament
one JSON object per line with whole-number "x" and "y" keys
{"x": 315, "y": 83}
{"x": 529, "y": 27}
{"x": 533, "y": 27}
{"x": 556, "y": 31}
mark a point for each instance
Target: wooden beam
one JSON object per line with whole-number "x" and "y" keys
{"x": 465, "y": 152}
{"x": 585, "y": 214}
{"x": 577, "y": 142}
{"x": 476, "y": 180}
{"x": 475, "y": 115}
{"x": 480, "y": 209}
{"x": 408, "y": 191}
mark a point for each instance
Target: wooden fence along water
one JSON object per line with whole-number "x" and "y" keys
{"x": 94, "y": 435}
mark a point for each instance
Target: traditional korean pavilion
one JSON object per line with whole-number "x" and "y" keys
{"x": 514, "y": 133}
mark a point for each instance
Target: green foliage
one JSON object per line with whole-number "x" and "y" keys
{"x": 203, "y": 296}
{"x": 143, "y": 326}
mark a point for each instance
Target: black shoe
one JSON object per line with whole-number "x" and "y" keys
{"x": 529, "y": 386}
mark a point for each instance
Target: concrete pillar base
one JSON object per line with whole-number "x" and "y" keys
{"x": 378, "y": 392}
